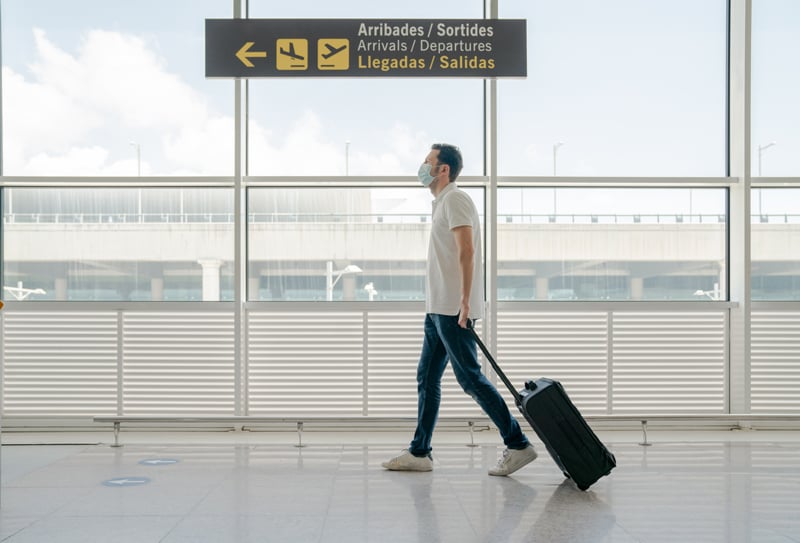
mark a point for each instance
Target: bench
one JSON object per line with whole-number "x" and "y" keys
{"x": 734, "y": 419}
{"x": 242, "y": 422}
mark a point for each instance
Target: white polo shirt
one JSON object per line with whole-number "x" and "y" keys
{"x": 451, "y": 209}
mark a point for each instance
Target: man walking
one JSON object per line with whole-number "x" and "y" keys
{"x": 454, "y": 287}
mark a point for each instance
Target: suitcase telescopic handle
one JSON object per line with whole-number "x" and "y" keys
{"x": 490, "y": 358}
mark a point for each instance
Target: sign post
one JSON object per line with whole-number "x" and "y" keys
{"x": 478, "y": 48}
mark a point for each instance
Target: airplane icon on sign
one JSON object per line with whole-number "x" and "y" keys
{"x": 333, "y": 50}
{"x": 333, "y": 54}
{"x": 291, "y": 52}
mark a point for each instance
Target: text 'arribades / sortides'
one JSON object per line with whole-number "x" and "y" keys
{"x": 441, "y": 46}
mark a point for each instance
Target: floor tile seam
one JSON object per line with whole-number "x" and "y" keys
{"x": 325, "y": 517}
{"x": 178, "y": 521}
{"x": 52, "y": 464}
{"x": 58, "y": 491}
{"x": 34, "y": 520}
{"x": 625, "y": 530}
{"x": 221, "y": 482}
{"x": 43, "y": 519}
{"x": 466, "y": 515}
{"x": 330, "y": 494}
{"x": 96, "y": 515}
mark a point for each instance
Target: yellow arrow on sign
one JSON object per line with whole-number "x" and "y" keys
{"x": 245, "y": 53}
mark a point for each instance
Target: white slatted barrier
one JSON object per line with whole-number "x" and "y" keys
{"x": 621, "y": 362}
{"x": 181, "y": 363}
{"x": 360, "y": 362}
{"x": 775, "y": 362}
{"x": 59, "y": 364}
{"x": 669, "y": 362}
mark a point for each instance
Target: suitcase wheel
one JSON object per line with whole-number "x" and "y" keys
{"x": 583, "y": 487}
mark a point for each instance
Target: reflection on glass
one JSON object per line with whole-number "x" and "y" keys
{"x": 339, "y": 244}
{"x": 118, "y": 244}
{"x": 611, "y": 244}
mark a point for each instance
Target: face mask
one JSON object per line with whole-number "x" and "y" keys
{"x": 424, "y": 175}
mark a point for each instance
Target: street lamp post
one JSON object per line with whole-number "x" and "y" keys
{"x": 347, "y": 157}
{"x": 138, "y": 157}
{"x": 556, "y": 145}
{"x": 138, "y": 173}
{"x": 371, "y": 291}
{"x": 330, "y": 282}
{"x": 761, "y": 149}
{"x": 712, "y": 294}
{"x": 20, "y": 293}
{"x": 555, "y": 155}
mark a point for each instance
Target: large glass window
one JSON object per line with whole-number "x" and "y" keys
{"x": 611, "y": 244}
{"x": 339, "y": 244}
{"x": 775, "y": 244}
{"x": 362, "y": 126}
{"x": 118, "y": 244}
{"x": 621, "y": 87}
{"x": 776, "y": 110}
{"x": 113, "y": 89}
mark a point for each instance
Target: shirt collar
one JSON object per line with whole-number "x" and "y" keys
{"x": 445, "y": 191}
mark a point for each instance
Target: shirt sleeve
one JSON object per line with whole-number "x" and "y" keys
{"x": 460, "y": 210}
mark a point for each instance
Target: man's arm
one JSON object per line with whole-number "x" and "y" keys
{"x": 466, "y": 257}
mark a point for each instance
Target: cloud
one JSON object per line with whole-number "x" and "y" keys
{"x": 78, "y": 113}
{"x": 118, "y": 74}
{"x": 304, "y": 149}
{"x": 38, "y": 118}
{"x": 203, "y": 149}
{"x": 299, "y": 150}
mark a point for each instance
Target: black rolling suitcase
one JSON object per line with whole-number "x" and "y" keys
{"x": 558, "y": 423}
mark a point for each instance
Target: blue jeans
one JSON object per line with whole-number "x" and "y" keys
{"x": 446, "y": 341}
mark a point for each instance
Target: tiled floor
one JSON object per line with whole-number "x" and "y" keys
{"x": 217, "y": 487}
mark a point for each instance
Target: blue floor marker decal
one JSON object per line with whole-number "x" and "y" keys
{"x": 126, "y": 481}
{"x": 158, "y": 461}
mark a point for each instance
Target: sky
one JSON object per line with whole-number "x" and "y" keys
{"x": 630, "y": 88}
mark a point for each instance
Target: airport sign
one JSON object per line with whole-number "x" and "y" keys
{"x": 477, "y": 48}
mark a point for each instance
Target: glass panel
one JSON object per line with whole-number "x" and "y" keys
{"x": 116, "y": 90}
{"x": 611, "y": 244}
{"x": 775, "y": 244}
{"x": 776, "y": 110}
{"x": 621, "y": 87}
{"x": 339, "y": 244}
{"x": 118, "y": 244}
{"x": 362, "y": 126}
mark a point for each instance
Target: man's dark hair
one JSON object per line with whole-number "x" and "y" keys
{"x": 450, "y": 155}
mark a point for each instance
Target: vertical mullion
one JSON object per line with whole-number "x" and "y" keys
{"x": 490, "y": 169}
{"x": 739, "y": 229}
{"x": 239, "y": 224}
{"x": 120, "y": 363}
{"x": 609, "y": 362}
{"x": 365, "y": 363}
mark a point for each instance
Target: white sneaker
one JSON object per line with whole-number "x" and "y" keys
{"x": 406, "y": 461}
{"x": 512, "y": 460}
